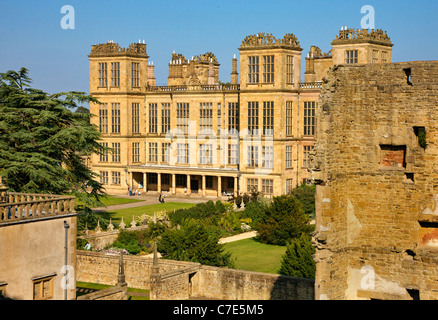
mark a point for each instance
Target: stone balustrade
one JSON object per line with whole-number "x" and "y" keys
{"x": 216, "y": 87}
{"x": 16, "y": 207}
{"x": 311, "y": 85}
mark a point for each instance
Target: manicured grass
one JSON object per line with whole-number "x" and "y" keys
{"x": 116, "y": 215}
{"x": 110, "y": 200}
{"x": 251, "y": 255}
{"x": 96, "y": 287}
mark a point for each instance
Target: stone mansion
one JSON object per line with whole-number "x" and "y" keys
{"x": 200, "y": 136}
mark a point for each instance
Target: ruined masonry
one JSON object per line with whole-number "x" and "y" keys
{"x": 376, "y": 166}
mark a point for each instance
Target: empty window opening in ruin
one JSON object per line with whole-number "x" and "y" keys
{"x": 408, "y": 72}
{"x": 415, "y": 294}
{"x": 410, "y": 176}
{"x": 420, "y": 132}
{"x": 393, "y": 156}
{"x": 428, "y": 234}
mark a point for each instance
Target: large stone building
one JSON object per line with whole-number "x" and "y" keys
{"x": 376, "y": 169}
{"x": 198, "y": 136}
{"x": 38, "y": 246}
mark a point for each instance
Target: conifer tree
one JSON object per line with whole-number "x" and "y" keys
{"x": 298, "y": 261}
{"x": 42, "y": 139}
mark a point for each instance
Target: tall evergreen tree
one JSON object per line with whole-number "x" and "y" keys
{"x": 42, "y": 139}
{"x": 298, "y": 261}
{"x": 283, "y": 220}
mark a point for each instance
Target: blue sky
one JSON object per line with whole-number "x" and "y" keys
{"x": 31, "y": 35}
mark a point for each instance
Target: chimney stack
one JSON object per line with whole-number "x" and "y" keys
{"x": 234, "y": 74}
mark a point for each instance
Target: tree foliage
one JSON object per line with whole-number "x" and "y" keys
{"x": 283, "y": 220}
{"x": 43, "y": 139}
{"x": 306, "y": 195}
{"x": 195, "y": 243}
{"x": 298, "y": 259}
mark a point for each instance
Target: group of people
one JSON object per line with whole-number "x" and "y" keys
{"x": 137, "y": 193}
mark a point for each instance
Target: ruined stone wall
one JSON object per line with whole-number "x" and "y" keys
{"x": 377, "y": 217}
{"x": 229, "y": 284}
{"x": 179, "y": 280}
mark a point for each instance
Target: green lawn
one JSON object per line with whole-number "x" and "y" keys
{"x": 116, "y": 215}
{"x": 251, "y": 255}
{"x": 110, "y": 200}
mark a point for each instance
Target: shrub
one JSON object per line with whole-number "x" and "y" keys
{"x": 298, "y": 260}
{"x": 283, "y": 220}
{"x": 306, "y": 195}
{"x": 196, "y": 243}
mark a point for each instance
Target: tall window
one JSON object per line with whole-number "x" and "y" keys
{"x": 182, "y": 117}
{"x": 289, "y": 119}
{"x": 233, "y": 153}
{"x": 165, "y": 152}
{"x": 289, "y": 157}
{"x": 375, "y": 56}
{"x": 103, "y": 118}
{"x": 116, "y": 152}
{"x": 268, "y": 157}
{"x": 233, "y": 117}
{"x": 268, "y": 69}
{"x": 115, "y": 74}
{"x": 384, "y": 57}
{"x": 103, "y": 74}
{"x": 253, "y": 156}
{"x": 351, "y": 56}
{"x": 206, "y": 154}
{"x": 252, "y": 185}
{"x": 115, "y": 177}
{"x": 267, "y": 186}
{"x": 182, "y": 153}
{"x": 104, "y": 156}
{"x": 135, "y": 118}
{"x": 103, "y": 177}
{"x": 309, "y": 118}
{"x": 290, "y": 69}
{"x": 165, "y": 117}
{"x": 268, "y": 118}
{"x": 206, "y": 116}
{"x": 135, "y": 74}
{"x": 306, "y": 158}
{"x": 253, "y": 118}
{"x": 219, "y": 118}
{"x": 153, "y": 118}
{"x": 115, "y": 117}
{"x": 153, "y": 152}
{"x": 136, "y": 152}
{"x": 289, "y": 185}
{"x": 253, "y": 69}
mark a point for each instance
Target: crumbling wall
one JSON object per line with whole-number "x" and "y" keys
{"x": 376, "y": 166}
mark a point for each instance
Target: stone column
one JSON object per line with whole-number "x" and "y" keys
{"x": 219, "y": 186}
{"x": 203, "y": 185}
{"x": 189, "y": 191}
{"x": 173, "y": 183}
{"x": 235, "y": 186}
{"x": 145, "y": 182}
{"x": 159, "y": 182}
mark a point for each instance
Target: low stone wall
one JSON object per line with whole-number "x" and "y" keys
{"x": 230, "y": 284}
{"x": 179, "y": 280}
{"x": 102, "y": 268}
{"x": 118, "y": 292}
